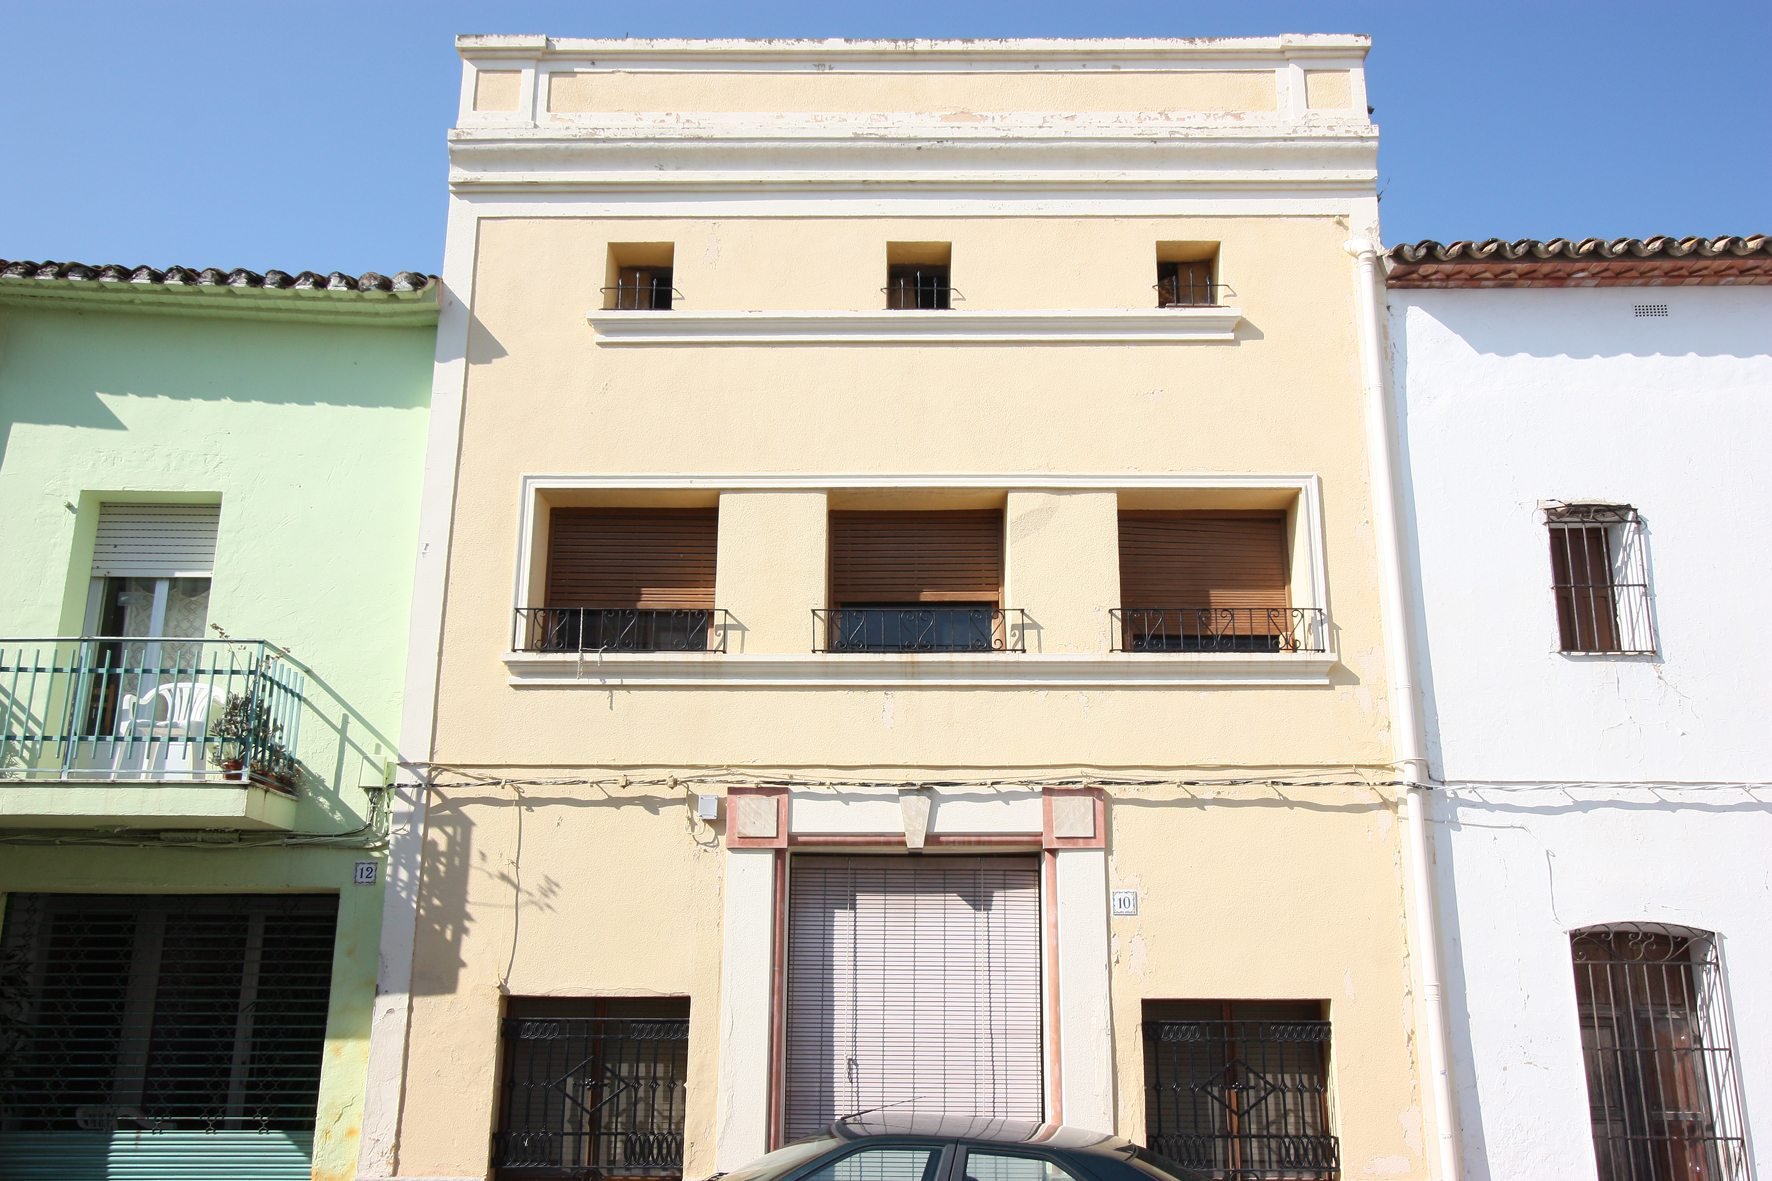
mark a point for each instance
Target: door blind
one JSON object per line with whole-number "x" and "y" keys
{"x": 156, "y": 541}
{"x": 1195, "y": 559}
{"x": 914, "y": 982}
{"x": 649, "y": 558}
{"x": 916, "y": 557}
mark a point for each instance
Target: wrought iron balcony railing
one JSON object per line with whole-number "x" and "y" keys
{"x": 164, "y": 709}
{"x": 620, "y": 629}
{"x": 921, "y": 627}
{"x": 1219, "y": 629}
{"x": 592, "y": 1097}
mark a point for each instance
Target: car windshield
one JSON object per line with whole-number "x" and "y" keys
{"x": 782, "y": 1160}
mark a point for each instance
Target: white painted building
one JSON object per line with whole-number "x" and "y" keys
{"x": 1585, "y": 431}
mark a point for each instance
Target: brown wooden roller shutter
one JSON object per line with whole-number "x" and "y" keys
{"x": 1199, "y": 559}
{"x": 916, "y": 557}
{"x": 650, "y": 558}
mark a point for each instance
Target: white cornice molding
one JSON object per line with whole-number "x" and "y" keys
{"x": 1075, "y": 326}
{"x": 921, "y": 56}
{"x": 929, "y": 481}
{"x": 909, "y": 670}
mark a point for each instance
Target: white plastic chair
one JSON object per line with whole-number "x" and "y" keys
{"x": 168, "y": 720}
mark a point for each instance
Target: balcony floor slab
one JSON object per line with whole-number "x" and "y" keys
{"x": 70, "y": 804}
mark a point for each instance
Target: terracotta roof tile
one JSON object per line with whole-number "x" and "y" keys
{"x": 399, "y": 283}
{"x": 1589, "y": 262}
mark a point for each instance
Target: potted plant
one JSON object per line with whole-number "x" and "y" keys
{"x": 243, "y": 730}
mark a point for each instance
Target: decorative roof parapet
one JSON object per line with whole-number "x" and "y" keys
{"x": 1588, "y": 262}
{"x": 405, "y": 296}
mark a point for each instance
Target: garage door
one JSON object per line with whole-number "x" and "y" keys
{"x": 172, "y": 1038}
{"x": 913, "y": 981}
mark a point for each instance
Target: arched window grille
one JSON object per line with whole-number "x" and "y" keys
{"x": 1662, "y": 1090}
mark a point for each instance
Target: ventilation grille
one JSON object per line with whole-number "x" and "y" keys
{"x": 1643, "y": 310}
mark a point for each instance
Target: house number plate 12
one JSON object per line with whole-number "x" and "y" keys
{"x": 364, "y": 874}
{"x": 1125, "y": 902}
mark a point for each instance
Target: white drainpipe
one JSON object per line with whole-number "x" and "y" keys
{"x": 1407, "y": 734}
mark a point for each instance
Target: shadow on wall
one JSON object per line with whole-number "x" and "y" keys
{"x": 1603, "y": 322}
{"x": 360, "y": 755}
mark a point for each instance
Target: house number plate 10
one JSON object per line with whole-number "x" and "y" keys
{"x": 1125, "y": 902}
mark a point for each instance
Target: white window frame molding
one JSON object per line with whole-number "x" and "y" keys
{"x": 948, "y": 326}
{"x": 926, "y": 670}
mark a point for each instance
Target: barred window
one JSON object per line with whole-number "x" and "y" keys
{"x": 1600, "y": 578}
{"x": 1240, "y": 1089}
{"x": 592, "y": 1088}
{"x": 1661, "y": 1084}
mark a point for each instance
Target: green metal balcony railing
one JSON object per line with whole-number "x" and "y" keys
{"x": 117, "y": 708}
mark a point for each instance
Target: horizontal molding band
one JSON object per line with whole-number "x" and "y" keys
{"x": 995, "y": 481}
{"x": 931, "y": 671}
{"x": 1106, "y": 326}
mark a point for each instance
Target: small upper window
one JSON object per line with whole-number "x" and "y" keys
{"x": 1187, "y": 274}
{"x": 638, "y": 277}
{"x": 919, "y": 276}
{"x": 1600, "y": 578}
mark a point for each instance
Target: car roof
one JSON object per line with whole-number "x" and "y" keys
{"x": 907, "y": 1122}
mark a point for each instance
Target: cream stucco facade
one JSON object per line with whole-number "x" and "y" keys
{"x": 553, "y": 846}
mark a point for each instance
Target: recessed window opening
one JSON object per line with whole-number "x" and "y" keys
{"x": 1187, "y": 274}
{"x": 627, "y": 580}
{"x": 1209, "y": 581}
{"x": 1662, "y": 1087}
{"x": 918, "y": 581}
{"x": 1600, "y": 580}
{"x": 638, "y": 277}
{"x": 918, "y": 276}
{"x": 592, "y": 1087}
{"x": 1240, "y": 1089}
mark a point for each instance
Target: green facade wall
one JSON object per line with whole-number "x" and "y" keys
{"x": 311, "y": 436}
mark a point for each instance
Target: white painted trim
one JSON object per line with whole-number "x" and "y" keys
{"x": 813, "y": 670}
{"x": 738, "y": 199}
{"x": 945, "y": 55}
{"x": 390, "y": 1022}
{"x": 1085, "y": 1018}
{"x": 957, "y": 326}
{"x": 747, "y": 969}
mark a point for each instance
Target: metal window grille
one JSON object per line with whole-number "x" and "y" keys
{"x": 1600, "y": 579}
{"x": 1219, "y": 629}
{"x": 917, "y": 627}
{"x": 1662, "y": 1089}
{"x": 645, "y": 289}
{"x": 169, "y": 1013}
{"x": 1241, "y": 1094}
{"x": 918, "y": 287}
{"x": 1187, "y": 285}
{"x": 620, "y": 629}
{"x": 587, "y": 1096}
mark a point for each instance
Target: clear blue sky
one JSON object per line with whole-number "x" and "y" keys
{"x": 310, "y": 134}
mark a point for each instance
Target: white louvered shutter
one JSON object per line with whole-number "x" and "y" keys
{"x": 913, "y": 981}
{"x": 156, "y": 540}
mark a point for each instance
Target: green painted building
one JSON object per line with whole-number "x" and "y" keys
{"x": 210, "y": 491}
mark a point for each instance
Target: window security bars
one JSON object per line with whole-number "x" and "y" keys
{"x": 592, "y": 1097}
{"x": 1600, "y": 579}
{"x": 168, "y": 1013}
{"x": 1187, "y": 285}
{"x": 918, "y": 288}
{"x": 161, "y": 708}
{"x": 1661, "y": 1083}
{"x": 620, "y": 629}
{"x": 933, "y": 627}
{"x": 1241, "y": 1100}
{"x": 643, "y": 289}
{"x": 1219, "y": 629}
